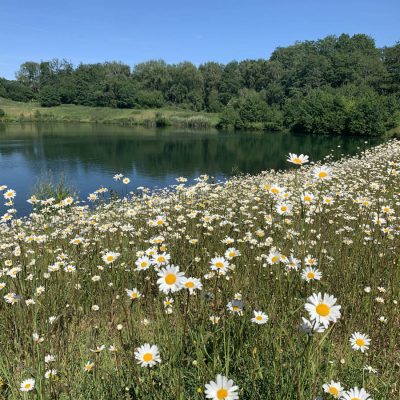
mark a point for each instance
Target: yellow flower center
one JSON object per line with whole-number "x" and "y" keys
{"x": 307, "y": 198}
{"x": 161, "y": 259}
{"x": 360, "y": 342}
{"x": 333, "y": 391}
{"x": 110, "y": 258}
{"x": 231, "y": 254}
{"x": 311, "y": 275}
{"x": 222, "y": 394}
{"x": 323, "y": 309}
{"x": 147, "y": 357}
{"x": 134, "y": 295}
{"x": 297, "y": 161}
{"x": 189, "y": 284}
{"x": 160, "y": 222}
{"x": 219, "y": 264}
{"x": 170, "y": 279}
{"x": 259, "y": 318}
{"x": 283, "y": 208}
{"x": 27, "y": 386}
{"x": 143, "y": 264}
{"x": 275, "y": 259}
{"x": 322, "y": 174}
{"x": 275, "y": 190}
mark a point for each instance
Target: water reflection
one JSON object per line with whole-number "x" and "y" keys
{"x": 88, "y": 155}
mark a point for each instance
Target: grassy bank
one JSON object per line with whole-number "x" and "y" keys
{"x": 32, "y": 112}
{"x": 83, "y": 289}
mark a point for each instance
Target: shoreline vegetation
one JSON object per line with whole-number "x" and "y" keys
{"x": 32, "y": 112}
{"x": 335, "y": 85}
{"x": 286, "y": 283}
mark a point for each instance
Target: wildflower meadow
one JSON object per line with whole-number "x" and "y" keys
{"x": 281, "y": 285}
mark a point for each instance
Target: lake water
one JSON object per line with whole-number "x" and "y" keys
{"x": 88, "y": 156}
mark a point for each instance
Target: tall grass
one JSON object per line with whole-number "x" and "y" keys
{"x": 58, "y": 258}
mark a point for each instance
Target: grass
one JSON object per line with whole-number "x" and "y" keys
{"x": 75, "y": 263}
{"x": 18, "y": 111}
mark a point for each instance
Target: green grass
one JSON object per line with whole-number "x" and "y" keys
{"x": 274, "y": 361}
{"x": 18, "y": 111}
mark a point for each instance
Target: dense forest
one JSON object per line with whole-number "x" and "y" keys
{"x": 343, "y": 85}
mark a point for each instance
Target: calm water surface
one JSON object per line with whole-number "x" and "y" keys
{"x": 87, "y": 156}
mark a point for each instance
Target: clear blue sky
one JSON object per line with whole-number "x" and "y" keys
{"x": 178, "y": 30}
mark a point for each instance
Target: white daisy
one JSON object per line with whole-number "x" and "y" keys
{"x": 147, "y": 355}
{"x": 170, "y": 279}
{"x": 110, "y": 257}
{"x": 310, "y": 274}
{"x": 333, "y": 388}
{"x": 356, "y": 394}
{"x": 322, "y": 308}
{"x": 219, "y": 264}
{"x": 297, "y": 159}
{"x": 27, "y": 385}
{"x": 259, "y": 318}
{"x": 222, "y": 389}
{"x": 359, "y": 341}
{"x": 192, "y": 284}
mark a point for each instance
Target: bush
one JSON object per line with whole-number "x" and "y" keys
{"x": 349, "y": 110}
{"x": 2, "y": 113}
{"x": 49, "y": 97}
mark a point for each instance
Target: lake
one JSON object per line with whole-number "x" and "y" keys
{"x": 88, "y": 156}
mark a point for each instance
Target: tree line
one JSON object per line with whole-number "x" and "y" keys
{"x": 340, "y": 84}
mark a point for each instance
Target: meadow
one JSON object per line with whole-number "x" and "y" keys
{"x": 16, "y": 111}
{"x": 281, "y": 285}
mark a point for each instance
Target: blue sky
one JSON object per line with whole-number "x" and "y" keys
{"x": 175, "y": 30}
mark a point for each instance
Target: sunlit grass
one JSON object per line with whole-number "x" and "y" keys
{"x": 32, "y": 111}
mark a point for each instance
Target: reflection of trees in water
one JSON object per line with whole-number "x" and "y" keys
{"x": 162, "y": 152}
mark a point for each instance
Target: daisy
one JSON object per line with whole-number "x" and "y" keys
{"x": 126, "y": 181}
{"x": 147, "y": 355}
{"x": 170, "y": 279}
{"x": 235, "y": 307}
{"x": 192, "y": 284}
{"x": 284, "y": 208}
{"x": 356, "y": 394}
{"x": 89, "y": 366}
{"x": 297, "y": 159}
{"x": 308, "y": 198}
{"x": 359, "y": 341}
{"x": 142, "y": 263}
{"x": 259, "y": 318}
{"x": 322, "y": 173}
{"x": 276, "y": 190}
{"x": 110, "y": 257}
{"x": 161, "y": 259}
{"x": 232, "y": 253}
{"x": 219, "y": 264}
{"x": 221, "y": 389}
{"x": 27, "y": 385}
{"x": 310, "y": 261}
{"x": 134, "y": 294}
{"x": 9, "y": 194}
{"x": 322, "y": 308}
{"x": 309, "y": 328}
{"x": 50, "y": 373}
{"x": 274, "y": 257}
{"x": 333, "y": 388}
{"x": 310, "y": 274}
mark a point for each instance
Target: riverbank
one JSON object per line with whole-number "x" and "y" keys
{"x": 33, "y": 112}
{"x": 15, "y": 111}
